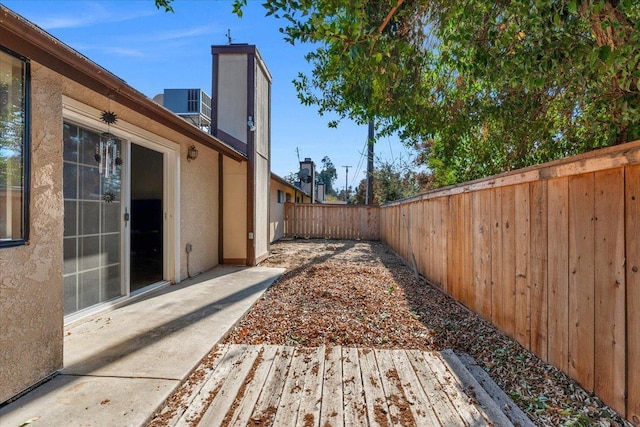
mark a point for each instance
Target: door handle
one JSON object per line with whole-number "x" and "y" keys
{"x": 127, "y": 216}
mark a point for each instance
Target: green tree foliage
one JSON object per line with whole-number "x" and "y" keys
{"x": 477, "y": 87}
{"x": 328, "y": 176}
{"x": 393, "y": 181}
{"x": 291, "y": 177}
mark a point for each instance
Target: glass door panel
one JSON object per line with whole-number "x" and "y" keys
{"x": 92, "y": 187}
{"x": 147, "y": 217}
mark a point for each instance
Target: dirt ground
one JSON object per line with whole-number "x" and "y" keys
{"x": 360, "y": 294}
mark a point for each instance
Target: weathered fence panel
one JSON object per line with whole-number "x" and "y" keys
{"x": 632, "y": 224}
{"x": 549, "y": 254}
{"x": 332, "y": 221}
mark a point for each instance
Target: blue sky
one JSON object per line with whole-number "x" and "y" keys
{"x": 152, "y": 50}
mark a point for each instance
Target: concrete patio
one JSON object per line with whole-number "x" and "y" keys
{"x": 120, "y": 367}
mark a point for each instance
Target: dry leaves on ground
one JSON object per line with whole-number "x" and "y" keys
{"x": 360, "y": 294}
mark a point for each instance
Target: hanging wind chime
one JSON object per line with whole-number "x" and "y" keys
{"x": 108, "y": 150}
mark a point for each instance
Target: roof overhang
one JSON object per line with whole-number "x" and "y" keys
{"x": 286, "y": 183}
{"x": 32, "y": 42}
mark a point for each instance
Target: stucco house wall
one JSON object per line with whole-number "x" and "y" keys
{"x": 31, "y": 288}
{"x": 199, "y": 210}
{"x": 205, "y": 199}
{"x": 234, "y": 207}
{"x": 199, "y": 182}
{"x": 31, "y": 313}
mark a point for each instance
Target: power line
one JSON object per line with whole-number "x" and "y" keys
{"x": 362, "y": 156}
{"x": 346, "y": 181}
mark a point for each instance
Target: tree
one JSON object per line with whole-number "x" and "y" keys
{"x": 477, "y": 87}
{"x": 328, "y": 176}
{"x": 291, "y": 178}
{"x": 394, "y": 181}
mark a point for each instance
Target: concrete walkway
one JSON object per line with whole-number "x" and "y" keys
{"x": 120, "y": 367}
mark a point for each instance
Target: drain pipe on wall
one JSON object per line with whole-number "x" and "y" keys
{"x": 189, "y": 248}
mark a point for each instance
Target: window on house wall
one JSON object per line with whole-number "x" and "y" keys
{"x": 288, "y": 198}
{"x": 14, "y": 149}
{"x": 280, "y": 196}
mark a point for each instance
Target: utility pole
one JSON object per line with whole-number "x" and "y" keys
{"x": 346, "y": 181}
{"x": 369, "y": 198}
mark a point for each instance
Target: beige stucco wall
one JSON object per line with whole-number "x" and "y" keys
{"x": 276, "y": 213}
{"x": 262, "y": 172}
{"x": 199, "y": 210}
{"x": 232, "y": 90}
{"x": 31, "y": 285}
{"x": 234, "y": 210}
{"x": 198, "y": 184}
{"x": 31, "y": 313}
{"x": 261, "y": 221}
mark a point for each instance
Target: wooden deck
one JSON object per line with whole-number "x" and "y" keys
{"x": 336, "y": 386}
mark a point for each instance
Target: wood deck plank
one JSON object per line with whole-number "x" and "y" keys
{"x": 443, "y": 407}
{"x": 224, "y": 398}
{"x": 331, "y": 411}
{"x": 455, "y": 391}
{"x": 309, "y": 411}
{"x": 377, "y": 408}
{"x": 336, "y": 386}
{"x": 355, "y": 409}
{"x": 213, "y": 383}
{"x": 187, "y": 399}
{"x": 292, "y": 394}
{"x": 269, "y": 399}
{"x": 253, "y": 387}
{"x": 399, "y": 406}
{"x": 420, "y": 405}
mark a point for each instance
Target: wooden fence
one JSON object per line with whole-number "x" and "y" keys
{"x": 332, "y": 221}
{"x": 550, "y": 255}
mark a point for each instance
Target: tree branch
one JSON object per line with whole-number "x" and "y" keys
{"x": 389, "y": 16}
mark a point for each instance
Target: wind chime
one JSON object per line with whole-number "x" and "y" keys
{"x": 108, "y": 150}
{"x": 108, "y": 153}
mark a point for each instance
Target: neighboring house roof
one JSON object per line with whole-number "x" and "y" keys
{"x": 288, "y": 184}
{"x": 22, "y": 36}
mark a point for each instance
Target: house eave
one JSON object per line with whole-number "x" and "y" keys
{"x": 29, "y": 40}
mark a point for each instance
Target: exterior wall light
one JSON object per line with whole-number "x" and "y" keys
{"x": 192, "y": 154}
{"x": 251, "y": 124}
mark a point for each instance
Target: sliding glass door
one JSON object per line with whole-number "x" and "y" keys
{"x": 147, "y": 217}
{"x": 93, "y": 218}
